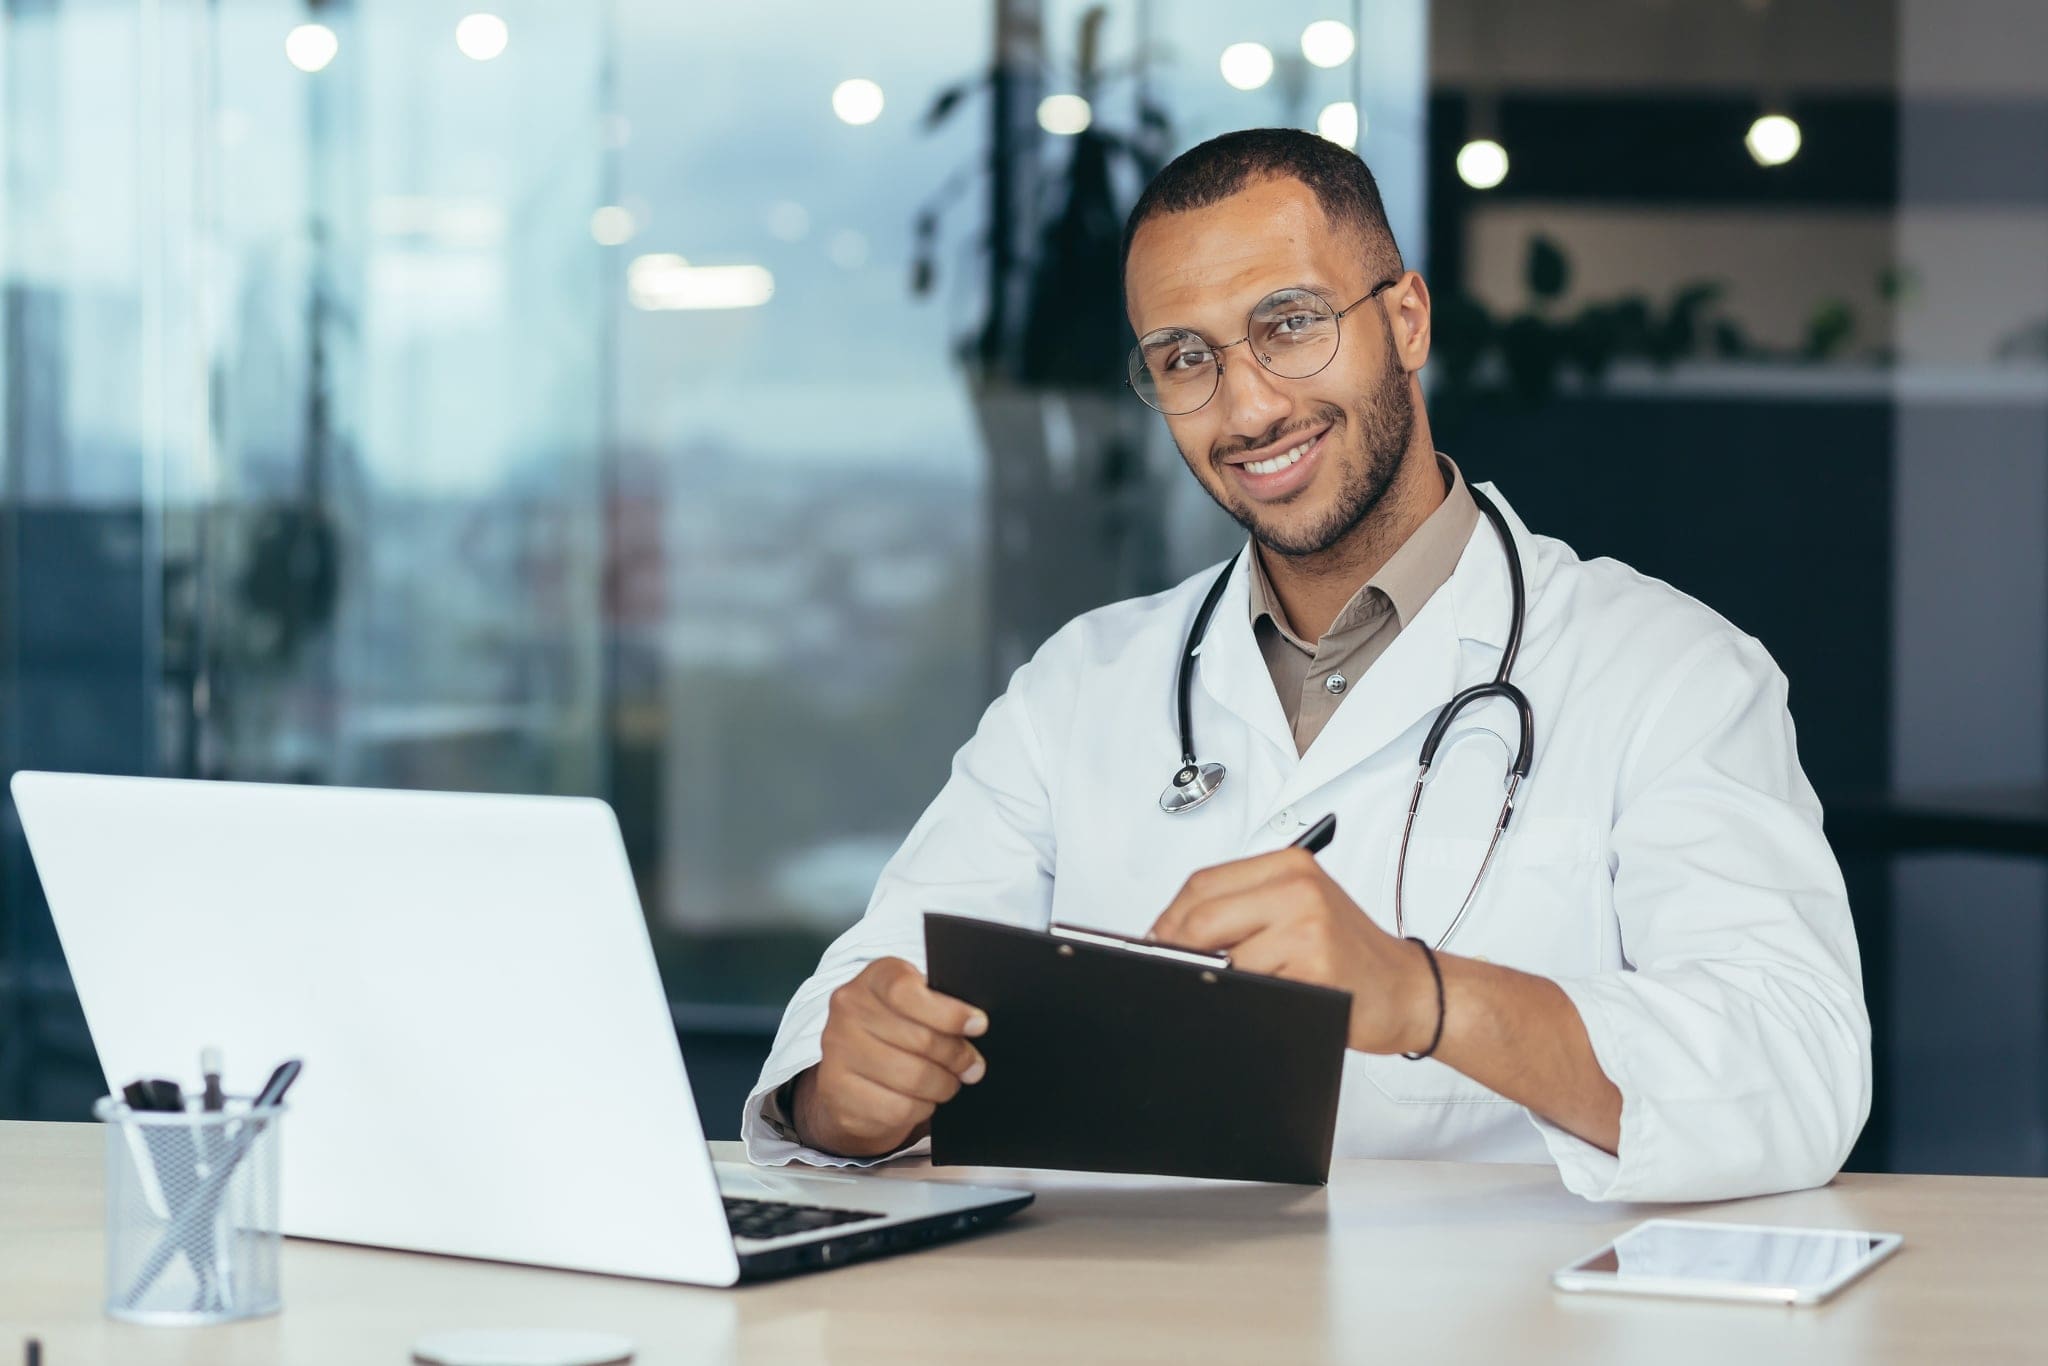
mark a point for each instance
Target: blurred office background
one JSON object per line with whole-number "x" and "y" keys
{"x": 706, "y": 406}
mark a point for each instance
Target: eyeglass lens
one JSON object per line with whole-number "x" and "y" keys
{"x": 1292, "y": 332}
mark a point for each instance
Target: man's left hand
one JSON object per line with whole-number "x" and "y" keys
{"x": 1282, "y": 914}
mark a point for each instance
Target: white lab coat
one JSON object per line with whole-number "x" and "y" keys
{"x": 1665, "y": 864}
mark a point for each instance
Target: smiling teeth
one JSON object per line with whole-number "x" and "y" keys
{"x": 1277, "y": 463}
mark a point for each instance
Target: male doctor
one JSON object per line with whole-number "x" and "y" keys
{"x": 1656, "y": 984}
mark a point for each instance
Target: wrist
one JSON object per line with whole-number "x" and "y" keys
{"x": 812, "y": 1118}
{"x": 798, "y": 1103}
{"x": 1423, "y": 993}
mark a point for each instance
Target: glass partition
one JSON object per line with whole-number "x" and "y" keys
{"x": 305, "y": 356}
{"x": 861, "y": 502}
{"x": 700, "y": 407}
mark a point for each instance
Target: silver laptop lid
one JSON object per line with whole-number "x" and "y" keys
{"x": 491, "y": 1067}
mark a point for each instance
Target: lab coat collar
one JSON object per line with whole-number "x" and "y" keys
{"x": 1480, "y": 598}
{"x": 1419, "y": 671}
{"x": 1232, "y": 670}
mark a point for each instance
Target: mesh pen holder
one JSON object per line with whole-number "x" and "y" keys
{"x": 192, "y": 1212}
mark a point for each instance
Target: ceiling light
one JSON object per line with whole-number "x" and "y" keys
{"x": 1064, "y": 115}
{"x": 1328, "y": 42}
{"x": 664, "y": 281}
{"x": 1247, "y": 66}
{"x": 1339, "y": 123}
{"x": 310, "y": 47}
{"x": 1482, "y": 163}
{"x": 857, "y": 101}
{"x": 1773, "y": 140}
{"x": 481, "y": 36}
{"x": 612, "y": 225}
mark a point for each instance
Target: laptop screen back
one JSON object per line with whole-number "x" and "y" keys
{"x": 491, "y": 1069}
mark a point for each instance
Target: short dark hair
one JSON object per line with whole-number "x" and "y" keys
{"x": 1219, "y": 168}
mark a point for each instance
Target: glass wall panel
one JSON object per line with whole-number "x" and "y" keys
{"x": 703, "y": 407}
{"x": 398, "y": 582}
{"x": 860, "y": 504}
{"x": 82, "y": 438}
{"x": 304, "y": 361}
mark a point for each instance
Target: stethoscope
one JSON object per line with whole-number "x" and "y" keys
{"x": 1195, "y": 782}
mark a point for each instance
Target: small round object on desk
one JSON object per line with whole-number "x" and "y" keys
{"x": 522, "y": 1347}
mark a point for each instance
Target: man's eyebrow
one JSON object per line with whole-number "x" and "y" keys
{"x": 1327, "y": 292}
{"x": 1156, "y": 334}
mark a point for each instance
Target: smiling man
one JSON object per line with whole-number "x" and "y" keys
{"x": 1634, "y": 958}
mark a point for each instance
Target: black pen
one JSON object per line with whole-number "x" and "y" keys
{"x": 1314, "y": 839}
{"x": 209, "y": 1068}
{"x": 272, "y": 1093}
{"x": 280, "y": 1082}
{"x": 212, "y": 1100}
{"x": 1318, "y": 836}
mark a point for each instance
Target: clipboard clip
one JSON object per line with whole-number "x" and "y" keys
{"x": 1108, "y": 940}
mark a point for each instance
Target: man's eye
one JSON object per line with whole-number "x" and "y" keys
{"x": 1187, "y": 360}
{"x": 1294, "y": 323}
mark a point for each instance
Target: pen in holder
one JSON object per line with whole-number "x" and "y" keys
{"x": 192, "y": 1212}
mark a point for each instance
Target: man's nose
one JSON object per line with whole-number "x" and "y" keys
{"x": 1253, "y": 401}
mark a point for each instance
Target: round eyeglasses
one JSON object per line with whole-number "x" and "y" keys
{"x": 1293, "y": 333}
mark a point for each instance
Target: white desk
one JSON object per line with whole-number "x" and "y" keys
{"x": 1396, "y": 1264}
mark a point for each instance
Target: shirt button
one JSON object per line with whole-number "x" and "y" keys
{"x": 1334, "y": 684}
{"x": 1283, "y": 820}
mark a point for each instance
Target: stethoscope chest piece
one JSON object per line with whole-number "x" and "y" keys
{"x": 1192, "y": 785}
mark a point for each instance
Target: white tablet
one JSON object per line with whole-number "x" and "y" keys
{"x": 1729, "y": 1261}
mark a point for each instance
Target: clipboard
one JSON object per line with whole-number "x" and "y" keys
{"x": 1107, "y": 1060}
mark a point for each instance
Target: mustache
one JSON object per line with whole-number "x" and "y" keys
{"x": 1326, "y": 415}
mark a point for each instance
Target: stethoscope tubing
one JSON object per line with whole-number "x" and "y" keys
{"x": 1194, "y": 782}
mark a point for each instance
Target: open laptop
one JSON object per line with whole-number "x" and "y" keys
{"x": 491, "y": 1069}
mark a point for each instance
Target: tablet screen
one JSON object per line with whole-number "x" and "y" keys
{"x": 1730, "y": 1254}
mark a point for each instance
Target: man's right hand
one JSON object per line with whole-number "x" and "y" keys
{"x": 894, "y": 1051}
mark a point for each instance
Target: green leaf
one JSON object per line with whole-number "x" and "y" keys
{"x": 1730, "y": 341}
{"x": 1462, "y": 332}
{"x": 1530, "y": 348}
{"x": 1548, "y": 269}
{"x": 948, "y": 100}
{"x": 1829, "y": 329}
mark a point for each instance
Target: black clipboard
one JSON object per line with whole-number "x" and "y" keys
{"x": 1108, "y": 1060}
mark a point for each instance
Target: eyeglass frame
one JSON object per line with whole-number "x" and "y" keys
{"x": 1337, "y": 315}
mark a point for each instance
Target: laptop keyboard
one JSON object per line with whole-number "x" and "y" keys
{"x": 780, "y": 1218}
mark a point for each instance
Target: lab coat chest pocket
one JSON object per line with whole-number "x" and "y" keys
{"x": 1540, "y": 906}
{"x": 1539, "y": 910}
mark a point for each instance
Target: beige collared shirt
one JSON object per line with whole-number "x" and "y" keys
{"x": 1313, "y": 680}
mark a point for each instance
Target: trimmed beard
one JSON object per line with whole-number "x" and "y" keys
{"x": 1386, "y": 424}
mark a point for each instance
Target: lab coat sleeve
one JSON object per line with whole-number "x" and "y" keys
{"x": 984, "y": 847}
{"x": 1736, "y": 1032}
